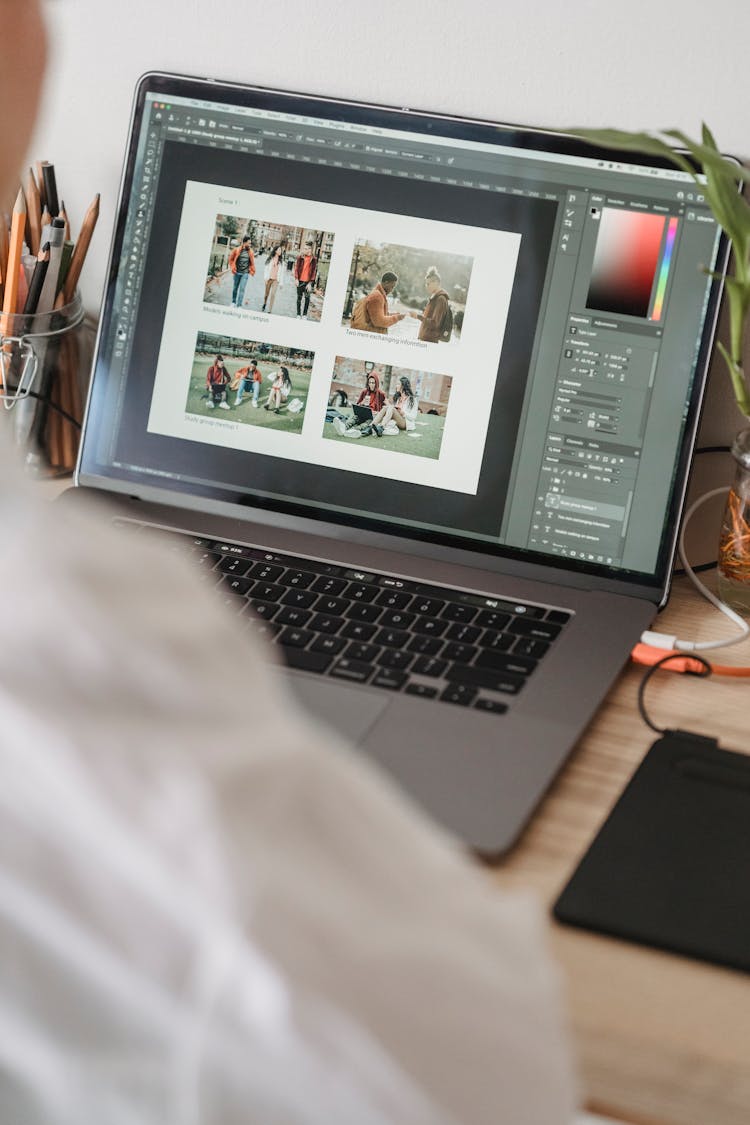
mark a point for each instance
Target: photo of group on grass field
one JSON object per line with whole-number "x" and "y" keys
{"x": 268, "y": 267}
{"x": 392, "y": 408}
{"x": 407, "y": 293}
{"x": 250, "y": 381}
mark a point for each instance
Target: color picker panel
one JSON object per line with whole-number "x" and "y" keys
{"x": 625, "y": 262}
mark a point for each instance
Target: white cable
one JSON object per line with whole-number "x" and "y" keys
{"x": 662, "y": 640}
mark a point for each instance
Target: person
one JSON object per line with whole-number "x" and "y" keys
{"x": 217, "y": 379}
{"x": 244, "y": 381}
{"x": 370, "y": 313}
{"x": 372, "y": 397}
{"x": 257, "y": 383}
{"x": 402, "y": 409}
{"x": 242, "y": 265}
{"x": 273, "y": 274}
{"x": 280, "y": 390}
{"x": 436, "y": 312}
{"x": 304, "y": 273}
{"x": 194, "y": 908}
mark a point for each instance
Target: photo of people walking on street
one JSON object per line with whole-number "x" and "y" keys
{"x": 268, "y": 267}
{"x": 393, "y": 408}
{"x": 407, "y": 293}
{"x": 250, "y": 381}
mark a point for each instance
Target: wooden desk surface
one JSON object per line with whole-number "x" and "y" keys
{"x": 661, "y": 1039}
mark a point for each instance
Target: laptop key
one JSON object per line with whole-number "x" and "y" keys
{"x": 231, "y": 564}
{"x": 425, "y": 691}
{"x": 500, "y": 642}
{"x": 457, "y": 611}
{"x": 558, "y": 616}
{"x": 485, "y": 678}
{"x": 236, "y": 585}
{"x": 288, "y": 615}
{"x": 394, "y": 599}
{"x": 352, "y": 670}
{"x": 263, "y": 609}
{"x": 305, "y": 660}
{"x": 537, "y": 630}
{"x": 266, "y": 572}
{"x": 326, "y": 623}
{"x": 462, "y": 654}
{"x": 324, "y": 585}
{"x": 363, "y": 654}
{"x": 361, "y": 592}
{"x": 261, "y": 628}
{"x": 332, "y": 645}
{"x": 464, "y": 634}
{"x": 302, "y": 599}
{"x": 429, "y": 666}
{"x": 505, "y": 662}
{"x": 360, "y": 611}
{"x": 268, "y": 591}
{"x": 389, "y": 678}
{"x": 394, "y": 638}
{"x": 359, "y": 630}
{"x": 427, "y": 607}
{"x": 395, "y": 658}
{"x": 334, "y": 606}
{"x": 298, "y": 578}
{"x": 398, "y": 620}
{"x": 492, "y": 705}
{"x": 463, "y": 694}
{"x": 491, "y": 619}
{"x": 425, "y": 646}
{"x": 295, "y": 638}
{"x": 526, "y": 646}
{"x": 430, "y": 626}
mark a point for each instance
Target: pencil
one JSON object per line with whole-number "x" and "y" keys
{"x": 50, "y": 187}
{"x": 37, "y": 280}
{"x": 80, "y": 250}
{"x": 34, "y": 209}
{"x": 4, "y": 246}
{"x": 46, "y": 219}
{"x": 64, "y": 216}
{"x": 40, "y": 183}
{"x": 10, "y": 295}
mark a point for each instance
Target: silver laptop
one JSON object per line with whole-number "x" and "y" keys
{"x": 418, "y": 395}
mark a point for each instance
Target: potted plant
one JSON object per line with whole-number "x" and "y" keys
{"x": 720, "y": 180}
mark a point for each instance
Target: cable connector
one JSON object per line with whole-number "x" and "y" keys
{"x": 658, "y": 640}
{"x": 646, "y": 654}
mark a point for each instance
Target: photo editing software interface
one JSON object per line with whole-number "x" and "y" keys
{"x": 452, "y": 338}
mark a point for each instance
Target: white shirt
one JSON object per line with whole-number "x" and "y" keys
{"x": 211, "y": 910}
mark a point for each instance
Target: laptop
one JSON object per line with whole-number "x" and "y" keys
{"x": 456, "y": 590}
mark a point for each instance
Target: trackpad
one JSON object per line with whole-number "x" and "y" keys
{"x": 350, "y": 711}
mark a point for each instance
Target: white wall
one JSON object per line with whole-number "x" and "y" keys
{"x": 634, "y": 63}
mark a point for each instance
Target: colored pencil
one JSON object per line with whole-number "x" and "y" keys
{"x": 50, "y": 187}
{"x": 80, "y": 250}
{"x": 10, "y": 295}
{"x": 37, "y": 280}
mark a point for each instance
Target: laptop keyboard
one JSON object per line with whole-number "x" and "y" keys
{"x": 362, "y": 627}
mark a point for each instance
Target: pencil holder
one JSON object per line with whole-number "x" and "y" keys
{"x": 45, "y": 360}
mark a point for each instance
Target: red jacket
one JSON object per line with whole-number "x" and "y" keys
{"x": 217, "y": 376}
{"x": 374, "y": 399}
{"x": 299, "y": 264}
{"x": 235, "y": 255}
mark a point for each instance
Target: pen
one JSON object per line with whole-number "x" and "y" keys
{"x": 80, "y": 250}
{"x": 34, "y": 209}
{"x": 50, "y": 187}
{"x": 37, "y": 280}
{"x": 54, "y": 234}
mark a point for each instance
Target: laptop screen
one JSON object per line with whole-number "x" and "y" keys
{"x": 444, "y": 330}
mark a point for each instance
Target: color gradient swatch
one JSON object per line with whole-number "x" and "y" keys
{"x": 625, "y": 262}
{"x": 666, "y": 261}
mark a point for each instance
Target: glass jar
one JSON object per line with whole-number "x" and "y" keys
{"x": 45, "y": 360}
{"x": 734, "y": 541}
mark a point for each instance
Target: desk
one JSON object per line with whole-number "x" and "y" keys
{"x": 661, "y": 1040}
